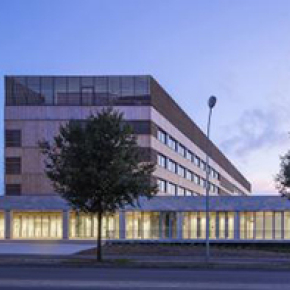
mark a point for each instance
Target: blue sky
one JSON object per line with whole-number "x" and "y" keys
{"x": 237, "y": 50}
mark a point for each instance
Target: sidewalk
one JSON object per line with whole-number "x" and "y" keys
{"x": 144, "y": 262}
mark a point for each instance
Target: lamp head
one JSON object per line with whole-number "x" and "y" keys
{"x": 212, "y": 101}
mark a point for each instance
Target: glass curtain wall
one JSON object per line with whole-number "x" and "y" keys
{"x": 143, "y": 225}
{"x": 37, "y": 225}
{"x": 263, "y": 225}
{"x": 221, "y": 225}
{"x": 84, "y": 226}
{"x": 2, "y": 226}
{"x": 76, "y": 90}
{"x": 151, "y": 225}
{"x": 287, "y": 225}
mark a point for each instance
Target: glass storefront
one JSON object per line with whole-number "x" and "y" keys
{"x": 150, "y": 225}
{"x": 221, "y": 225}
{"x": 84, "y": 226}
{"x": 37, "y": 225}
{"x": 264, "y": 225}
{"x": 2, "y": 226}
{"x": 267, "y": 225}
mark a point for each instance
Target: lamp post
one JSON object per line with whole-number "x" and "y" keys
{"x": 211, "y": 103}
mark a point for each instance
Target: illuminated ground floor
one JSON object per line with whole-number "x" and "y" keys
{"x": 162, "y": 218}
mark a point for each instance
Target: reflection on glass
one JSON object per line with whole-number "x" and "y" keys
{"x": 72, "y": 90}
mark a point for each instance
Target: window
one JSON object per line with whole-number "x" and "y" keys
{"x": 181, "y": 191}
{"x": 60, "y": 91}
{"x": 203, "y": 183}
{"x": 162, "y": 185}
{"x": 47, "y": 89}
{"x": 87, "y": 96}
{"x": 188, "y": 192}
{"x": 13, "y": 189}
{"x": 161, "y": 136}
{"x": 181, "y": 171}
{"x": 189, "y": 175}
{"x": 203, "y": 165}
{"x": 34, "y": 96}
{"x": 172, "y": 166}
{"x": 196, "y": 179}
{"x": 197, "y": 161}
{"x": 189, "y": 155}
{"x": 171, "y": 188}
{"x": 181, "y": 150}
{"x": 161, "y": 160}
{"x": 172, "y": 143}
{"x": 13, "y": 138}
{"x": 13, "y": 165}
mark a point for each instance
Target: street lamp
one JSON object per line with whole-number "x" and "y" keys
{"x": 211, "y": 103}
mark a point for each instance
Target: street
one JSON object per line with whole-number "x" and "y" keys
{"x": 13, "y": 278}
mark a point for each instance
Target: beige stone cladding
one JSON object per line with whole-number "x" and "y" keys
{"x": 42, "y": 123}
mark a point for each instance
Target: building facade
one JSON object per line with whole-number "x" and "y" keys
{"x": 35, "y": 108}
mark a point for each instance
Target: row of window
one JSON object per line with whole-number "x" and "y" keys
{"x": 73, "y": 90}
{"x": 184, "y": 172}
{"x": 168, "y": 140}
{"x": 173, "y": 189}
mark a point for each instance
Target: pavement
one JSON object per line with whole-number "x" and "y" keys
{"x": 60, "y": 254}
{"x": 13, "y": 278}
{"x": 43, "y": 248}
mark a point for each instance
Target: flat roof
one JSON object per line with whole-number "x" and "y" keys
{"x": 158, "y": 203}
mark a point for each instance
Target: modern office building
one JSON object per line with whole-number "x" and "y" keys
{"x": 35, "y": 108}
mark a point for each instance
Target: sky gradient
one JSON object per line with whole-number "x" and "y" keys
{"x": 237, "y": 50}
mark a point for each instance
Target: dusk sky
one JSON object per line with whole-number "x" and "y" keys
{"x": 238, "y": 50}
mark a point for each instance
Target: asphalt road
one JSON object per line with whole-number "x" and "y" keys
{"x": 13, "y": 278}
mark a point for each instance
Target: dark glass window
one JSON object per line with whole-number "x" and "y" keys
{"x": 87, "y": 81}
{"x": 87, "y": 96}
{"x": 34, "y": 96}
{"x": 101, "y": 90}
{"x": 13, "y": 165}
{"x": 47, "y": 90}
{"x": 73, "y": 96}
{"x": 13, "y": 189}
{"x": 101, "y": 86}
{"x": 127, "y": 86}
{"x": 60, "y": 90}
{"x": 141, "y": 86}
{"x": 9, "y": 83}
{"x": 67, "y": 90}
{"x": 20, "y": 92}
{"x": 13, "y": 138}
{"x": 114, "y": 87}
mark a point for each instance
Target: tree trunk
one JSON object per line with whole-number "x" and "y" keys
{"x": 99, "y": 245}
